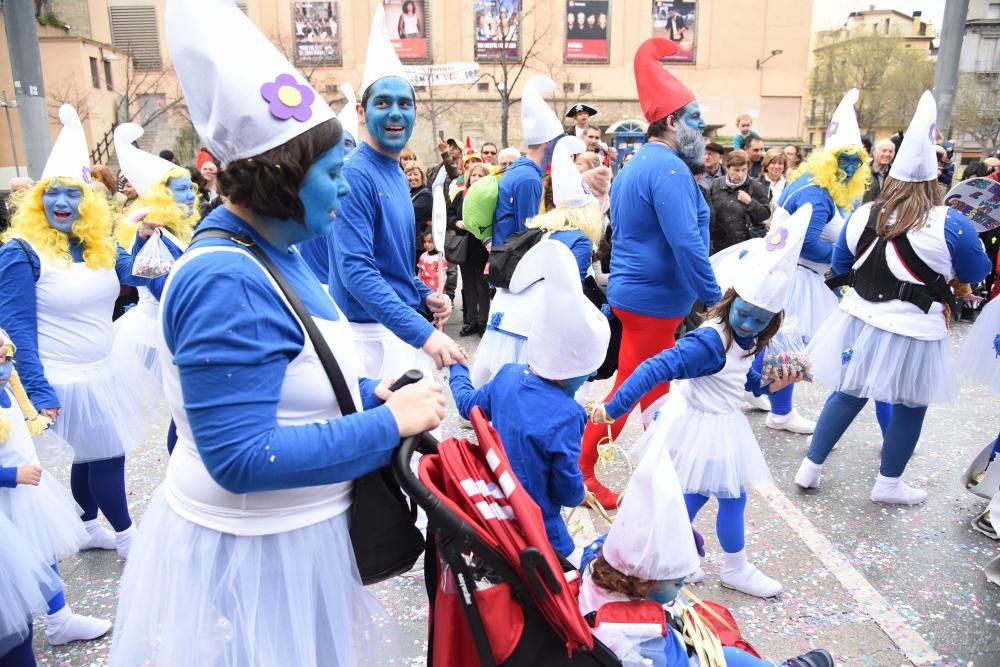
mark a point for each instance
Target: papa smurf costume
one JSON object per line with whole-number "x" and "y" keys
{"x": 660, "y": 227}
{"x": 710, "y": 440}
{"x": 61, "y": 271}
{"x": 531, "y": 405}
{"x": 885, "y": 346}
{"x": 513, "y": 311}
{"x": 249, "y": 532}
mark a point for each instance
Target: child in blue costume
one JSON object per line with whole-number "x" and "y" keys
{"x": 61, "y": 271}
{"x": 713, "y": 447}
{"x": 629, "y": 590}
{"x": 531, "y": 405}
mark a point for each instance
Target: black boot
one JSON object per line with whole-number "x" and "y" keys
{"x": 817, "y": 657}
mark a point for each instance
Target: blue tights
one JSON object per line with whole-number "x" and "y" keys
{"x": 101, "y": 485}
{"x": 58, "y": 600}
{"x": 21, "y": 655}
{"x": 737, "y": 658}
{"x": 728, "y": 523}
{"x": 171, "y": 437}
{"x": 899, "y": 439}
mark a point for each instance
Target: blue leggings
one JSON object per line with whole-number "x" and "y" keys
{"x": 21, "y": 655}
{"x": 737, "y": 658}
{"x": 101, "y": 485}
{"x": 899, "y": 440}
{"x": 58, "y": 601}
{"x": 728, "y": 523}
{"x": 171, "y": 437}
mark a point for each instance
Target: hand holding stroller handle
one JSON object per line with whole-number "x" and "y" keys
{"x": 405, "y": 476}
{"x": 411, "y": 376}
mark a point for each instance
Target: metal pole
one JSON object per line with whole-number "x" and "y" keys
{"x": 29, "y": 89}
{"x": 946, "y": 73}
{"x": 7, "y": 104}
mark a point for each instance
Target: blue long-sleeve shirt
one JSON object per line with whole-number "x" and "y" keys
{"x": 20, "y": 269}
{"x": 802, "y": 191}
{"x": 372, "y": 247}
{"x": 698, "y": 353}
{"x": 519, "y": 198}
{"x": 580, "y": 246}
{"x": 541, "y": 428}
{"x": 232, "y": 338}
{"x": 316, "y": 253}
{"x": 659, "y": 238}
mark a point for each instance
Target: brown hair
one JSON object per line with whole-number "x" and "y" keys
{"x": 744, "y": 116}
{"x": 720, "y": 311}
{"x": 910, "y": 201}
{"x": 771, "y": 155}
{"x": 610, "y": 579}
{"x": 100, "y": 173}
{"x": 416, "y": 166}
{"x": 480, "y": 167}
{"x": 737, "y": 158}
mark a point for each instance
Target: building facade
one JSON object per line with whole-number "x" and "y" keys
{"x": 976, "y": 117}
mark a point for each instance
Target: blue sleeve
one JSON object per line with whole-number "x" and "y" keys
{"x": 466, "y": 396}
{"x": 580, "y": 246}
{"x": 19, "y": 271}
{"x": 843, "y": 257}
{"x": 814, "y": 249}
{"x": 680, "y": 214}
{"x": 8, "y": 477}
{"x": 231, "y": 371}
{"x": 354, "y": 235}
{"x": 423, "y": 290}
{"x": 700, "y": 352}
{"x": 369, "y": 401}
{"x": 123, "y": 267}
{"x": 753, "y": 383}
{"x": 738, "y": 141}
{"x": 565, "y": 479}
{"x": 527, "y": 194}
{"x": 968, "y": 256}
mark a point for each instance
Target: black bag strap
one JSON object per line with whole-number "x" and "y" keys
{"x": 868, "y": 236}
{"x": 323, "y": 351}
{"x": 934, "y": 281}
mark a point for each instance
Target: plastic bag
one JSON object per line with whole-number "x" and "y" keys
{"x": 154, "y": 259}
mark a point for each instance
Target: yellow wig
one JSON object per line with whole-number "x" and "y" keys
{"x": 587, "y": 219}
{"x": 162, "y": 208}
{"x": 92, "y": 228}
{"x": 822, "y": 167}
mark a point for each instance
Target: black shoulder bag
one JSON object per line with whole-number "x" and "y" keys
{"x": 383, "y": 532}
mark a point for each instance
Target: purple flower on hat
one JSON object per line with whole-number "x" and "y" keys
{"x": 777, "y": 240}
{"x": 86, "y": 174}
{"x": 287, "y": 98}
{"x": 932, "y": 135}
{"x": 832, "y": 129}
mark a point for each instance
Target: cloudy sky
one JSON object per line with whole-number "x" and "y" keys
{"x": 828, "y": 14}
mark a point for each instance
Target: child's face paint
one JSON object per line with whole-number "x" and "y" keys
{"x": 183, "y": 190}
{"x": 62, "y": 206}
{"x": 747, "y": 319}
{"x": 667, "y": 591}
{"x": 848, "y": 165}
{"x": 572, "y": 385}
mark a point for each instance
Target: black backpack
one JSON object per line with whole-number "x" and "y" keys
{"x": 505, "y": 257}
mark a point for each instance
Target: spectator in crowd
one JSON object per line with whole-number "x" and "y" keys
{"x": 755, "y": 153}
{"x": 448, "y": 162}
{"x": 714, "y": 170}
{"x": 626, "y": 159}
{"x": 581, "y": 114}
{"x": 587, "y": 160}
{"x": 489, "y": 153}
{"x": 475, "y": 289}
{"x": 423, "y": 202}
{"x": 407, "y": 158}
{"x": 946, "y": 169}
{"x": 210, "y": 171}
{"x": 169, "y": 156}
{"x": 592, "y": 138}
{"x": 507, "y": 157}
{"x": 738, "y": 203}
{"x": 882, "y": 157}
{"x": 126, "y": 189}
{"x": 793, "y": 158}
{"x": 774, "y": 174}
{"x": 101, "y": 174}
{"x": 743, "y": 125}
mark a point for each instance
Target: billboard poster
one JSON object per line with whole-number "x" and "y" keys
{"x": 406, "y": 25}
{"x": 677, "y": 22}
{"x": 317, "y": 35}
{"x": 586, "y": 31}
{"x": 498, "y": 30}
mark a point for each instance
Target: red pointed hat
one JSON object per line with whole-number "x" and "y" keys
{"x": 660, "y": 92}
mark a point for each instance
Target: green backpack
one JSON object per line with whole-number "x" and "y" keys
{"x": 480, "y": 206}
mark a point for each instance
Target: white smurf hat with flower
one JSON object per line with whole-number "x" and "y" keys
{"x": 843, "y": 129}
{"x": 69, "y": 157}
{"x": 765, "y": 274}
{"x": 916, "y": 160}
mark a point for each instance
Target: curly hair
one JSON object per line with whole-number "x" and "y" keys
{"x": 720, "y": 311}
{"x": 825, "y": 172}
{"x": 164, "y": 209}
{"x": 587, "y": 219}
{"x": 92, "y": 228}
{"x": 603, "y": 574}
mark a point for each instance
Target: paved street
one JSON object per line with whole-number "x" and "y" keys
{"x": 876, "y": 585}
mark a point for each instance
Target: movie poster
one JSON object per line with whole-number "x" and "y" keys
{"x": 498, "y": 30}
{"x": 317, "y": 32}
{"x": 676, "y": 22}
{"x": 406, "y": 25}
{"x": 586, "y": 31}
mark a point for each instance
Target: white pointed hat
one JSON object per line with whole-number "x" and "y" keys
{"x": 568, "y": 188}
{"x": 381, "y": 59}
{"x": 569, "y": 337}
{"x": 916, "y": 159}
{"x": 843, "y": 129}
{"x": 69, "y": 157}
{"x": 538, "y": 120}
{"x": 143, "y": 170}
{"x": 348, "y": 115}
{"x": 651, "y": 536}
{"x": 769, "y": 267}
{"x": 243, "y": 95}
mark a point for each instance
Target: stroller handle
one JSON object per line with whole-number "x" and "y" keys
{"x": 423, "y": 443}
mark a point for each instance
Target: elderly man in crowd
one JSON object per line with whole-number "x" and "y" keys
{"x": 882, "y": 156}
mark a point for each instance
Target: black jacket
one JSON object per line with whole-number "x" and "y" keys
{"x": 875, "y": 187}
{"x": 732, "y": 221}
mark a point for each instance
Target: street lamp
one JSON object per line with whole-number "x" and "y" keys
{"x": 7, "y": 106}
{"x": 776, "y": 52}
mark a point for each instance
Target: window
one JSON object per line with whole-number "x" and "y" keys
{"x": 108, "y": 82}
{"x": 993, "y": 10}
{"x": 584, "y": 87}
{"x": 569, "y": 87}
{"x": 483, "y": 87}
{"x": 94, "y": 77}
{"x": 134, "y": 28}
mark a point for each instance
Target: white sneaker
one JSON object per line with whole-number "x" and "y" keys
{"x": 64, "y": 627}
{"x": 100, "y": 537}
{"x": 123, "y": 541}
{"x": 793, "y": 422}
{"x": 761, "y": 403}
{"x": 751, "y": 581}
{"x": 808, "y": 475}
{"x": 696, "y": 577}
{"x": 894, "y": 491}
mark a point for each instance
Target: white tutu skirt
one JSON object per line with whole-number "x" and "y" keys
{"x": 978, "y": 360}
{"x": 495, "y": 350}
{"x": 105, "y": 406}
{"x": 714, "y": 454}
{"x": 865, "y": 361}
{"x": 196, "y": 597}
{"x": 46, "y": 516}
{"x": 135, "y": 338}
{"x": 810, "y": 302}
{"x": 26, "y": 584}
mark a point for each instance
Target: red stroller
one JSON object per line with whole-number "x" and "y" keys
{"x": 499, "y": 595}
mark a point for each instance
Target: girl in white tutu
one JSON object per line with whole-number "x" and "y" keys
{"x": 38, "y": 506}
{"x": 711, "y": 443}
{"x": 61, "y": 271}
{"x": 245, "y": 557}
{"x": 889, "y": 339}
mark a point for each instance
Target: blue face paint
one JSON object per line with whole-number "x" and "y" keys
{"x": 692, "y": 117}
{"x": 322, "y": 191}
{"x": 390, "y": 114}
{"x": 667, "y": 591}
{"x": 183, "y": 190}
{"x": 848, "y": 165}
{"x": 349, "y": 143}
{"x": 62, "y": 206}
{"x": 572, "y": 385}
{"x": 690, "y": 138}
{"x": 747, "y": 319}
{"x": 6, "y": 369}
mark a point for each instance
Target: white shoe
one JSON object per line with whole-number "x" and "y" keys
{"x": 751, "y": 581}
{"x": 123, "y": 541}
{"x": 808, "y": 475}
{"x": 64, "y": 626}
{"x": 696, "y": 577}
{"x": 894, "y": 491}
{"x": 100, "y": 537}
{"x": 793, "y": 422}
{"x": 757, "y": 402}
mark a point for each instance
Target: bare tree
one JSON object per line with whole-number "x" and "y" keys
{"x": 977, "y": 110}
{"x": 146, "y": 96}
{"x": 430, "y": 105}
{"x": 67, "y": 92}
{"x": 285, "y": 43}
